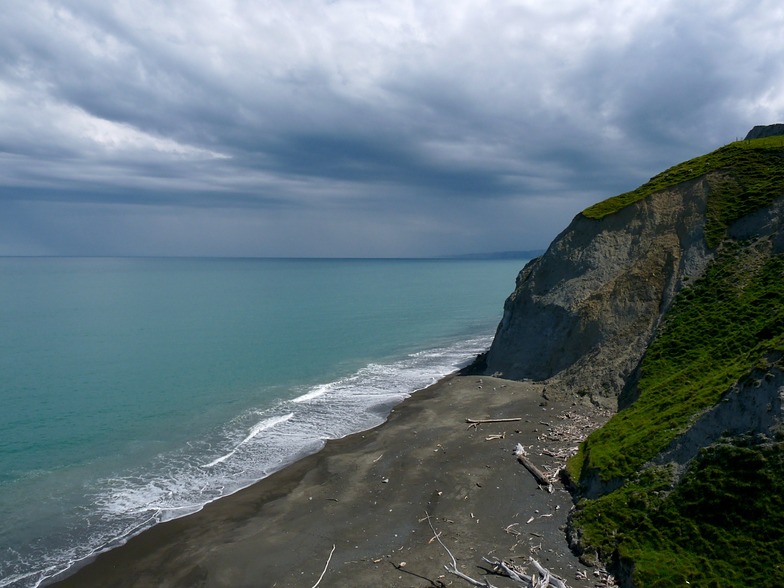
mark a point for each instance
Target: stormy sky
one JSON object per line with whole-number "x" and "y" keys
{"x": 357, "y": 127}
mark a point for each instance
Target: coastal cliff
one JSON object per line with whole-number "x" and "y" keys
{"x": 667, "y": 303}
{"x": 585, "y": 311}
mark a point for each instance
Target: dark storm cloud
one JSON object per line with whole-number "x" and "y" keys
{"x": 352, "y": 127}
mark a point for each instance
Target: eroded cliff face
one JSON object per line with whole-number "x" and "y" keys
{"x": 698, "y": 378}
{"x": 751, "y": 407}
{"x": 584, "y": 312}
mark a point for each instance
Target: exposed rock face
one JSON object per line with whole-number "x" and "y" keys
{"x": 584, "y": 314}
{"x": 585, "y": 311}
{"x": 762, "y": 131}
{"x": 750, "y": 407}
{"x": 765, "y": 223}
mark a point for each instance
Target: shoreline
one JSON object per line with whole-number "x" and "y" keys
{"x": 369, "y": 494}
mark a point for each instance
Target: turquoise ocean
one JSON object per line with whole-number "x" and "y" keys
{"x": 134, "y": 391}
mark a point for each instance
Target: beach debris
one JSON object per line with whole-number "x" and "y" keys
{"x": 544, "y": 579}
{"x": 452, "y": 568}
{"x": 606, "y": 579}
{"x": 540, "y": 478}
{"x": 474, "y": 423}
{"x": 509, "y": 570}
{"x": 544, "y": 572}
{"x": 494, "y": 437}
{"x": 533, "y": 518}
{"x": 571, "y": 430}
{"x": 566, "y": 434}
{"x": 329, "y": 559}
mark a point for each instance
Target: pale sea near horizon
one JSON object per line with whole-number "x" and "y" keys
{"x": 137, "y": 390}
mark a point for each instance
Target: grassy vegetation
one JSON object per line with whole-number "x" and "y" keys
{"x": 715, "y": 333}
{"x": 721, "y": 526}
{"x": 752, "y": 175}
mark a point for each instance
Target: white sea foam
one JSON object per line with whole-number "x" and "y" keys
{"x": 314, "y": 392}
{"x": 255, "y": 430}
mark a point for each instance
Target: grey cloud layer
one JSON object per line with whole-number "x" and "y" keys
{"x": 239, "y": 127}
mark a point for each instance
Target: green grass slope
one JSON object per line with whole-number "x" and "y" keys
{"x": 754, "y": 176}
{"x": 722, "y": 524}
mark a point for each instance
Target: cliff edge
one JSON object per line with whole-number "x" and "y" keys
{"x": 585, "y": 311}
{"x": 667, "y": 303}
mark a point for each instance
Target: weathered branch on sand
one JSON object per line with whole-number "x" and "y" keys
{"x": 535, "y": 472}
{"x": 552, "y": 580}
{"x": 452, "y": 569}
{"x": 486, "y": 421}
{"x": 329, "y": 559}
{"x": 545, "y": 578}
{"x": 502, "y": 568}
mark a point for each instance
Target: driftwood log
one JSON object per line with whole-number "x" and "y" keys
{"x": 544, "y": 580}
{"x": 485, "y": 421}
{"x": 535, "y": 472}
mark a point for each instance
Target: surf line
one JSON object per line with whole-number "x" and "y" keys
{"x": 255, "y": 430}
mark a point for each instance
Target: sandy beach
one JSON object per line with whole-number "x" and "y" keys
{"x": 369, "y": 495}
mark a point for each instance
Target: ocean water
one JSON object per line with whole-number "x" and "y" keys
{"x": 133, "y": 391}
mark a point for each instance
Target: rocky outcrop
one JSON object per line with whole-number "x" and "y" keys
{"x": 765, "y": 223}
{"x": 699, "y": 389}
{"x": 751, "y": 407}
{"x": 584, "y": 313}
{"x": 762, "y": 131}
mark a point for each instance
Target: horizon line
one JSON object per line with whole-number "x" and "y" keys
{"x": 523, "y": 254}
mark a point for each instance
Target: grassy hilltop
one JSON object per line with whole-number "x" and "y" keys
{"x": 754, "y": 177}
{"x": 718, "y": 521}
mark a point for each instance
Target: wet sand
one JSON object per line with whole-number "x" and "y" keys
{"x": 369, "y": 494}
